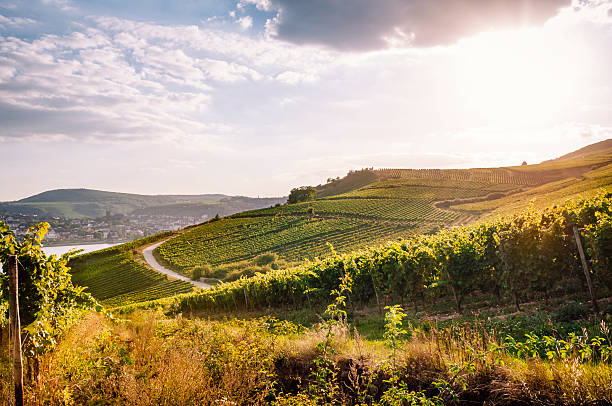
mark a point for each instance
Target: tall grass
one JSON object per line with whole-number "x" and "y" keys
{"x": 153, "y": 360}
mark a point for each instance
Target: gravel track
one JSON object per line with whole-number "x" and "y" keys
{"x": 148, "y": 256}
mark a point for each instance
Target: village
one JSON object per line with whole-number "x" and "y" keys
{"x": 111, "y": 228}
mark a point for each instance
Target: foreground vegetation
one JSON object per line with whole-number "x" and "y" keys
{"x": 153, "y": 359}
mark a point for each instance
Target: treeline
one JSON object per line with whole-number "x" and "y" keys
{"x": 530, "y": 256}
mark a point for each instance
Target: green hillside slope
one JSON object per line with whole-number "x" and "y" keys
{"x": 581, "y": 174}
{"x": 83, "y": 203}
{"x": 368, "y": 207}
{"x": 115, "y": 278}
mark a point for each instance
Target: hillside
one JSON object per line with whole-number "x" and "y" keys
{"x": 369, "y": 207}
{"x": 576, "y": 175}
{"x": 115, "y": 278}
{"x": 382, "y": 205}
{"x": 87, "y": 203}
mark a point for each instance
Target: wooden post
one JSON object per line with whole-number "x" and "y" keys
{"x": 585, "y": 268}
{"x": 375, "y": 293}
{"x": 16, "y": 329}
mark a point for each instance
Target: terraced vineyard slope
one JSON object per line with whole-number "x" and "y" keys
{"x": 578, "y": 175}
{"x": 115, "y": 278}
{"x": 369, "y": 207}
{"x": 365, "y": 209}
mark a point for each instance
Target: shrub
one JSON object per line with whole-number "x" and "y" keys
{"x": 265, "y": 259}
{"x": 571, "y": 311}
{"x": 201, "y": 271}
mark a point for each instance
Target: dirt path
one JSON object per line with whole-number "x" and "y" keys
{"x": 148, "y": 256}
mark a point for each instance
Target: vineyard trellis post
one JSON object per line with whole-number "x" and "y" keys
{"x": 15, "y": 329}
{"x": 375, "y": 293}
{"x": 585, "y": 268}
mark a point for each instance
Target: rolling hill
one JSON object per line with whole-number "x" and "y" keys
{"x": 369, "y": 207}
{"x": 87, "y": 203}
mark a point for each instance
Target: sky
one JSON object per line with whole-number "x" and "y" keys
{"x": 255, "y": 97}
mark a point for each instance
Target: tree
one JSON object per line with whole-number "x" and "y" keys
{"x": 302, "y": 194}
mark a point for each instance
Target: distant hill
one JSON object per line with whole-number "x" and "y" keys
{"x": 599, "y": 148}
{"x": 88, "y": 203}
{"x": 98, "y": 196}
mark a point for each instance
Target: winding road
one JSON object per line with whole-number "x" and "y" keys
{"x": 148, "y": 256}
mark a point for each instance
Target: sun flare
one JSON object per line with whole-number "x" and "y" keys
{"x": 518, "y": 76}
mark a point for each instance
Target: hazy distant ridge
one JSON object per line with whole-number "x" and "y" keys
{"x": 79, "y": 203}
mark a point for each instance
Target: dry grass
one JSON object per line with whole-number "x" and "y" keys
{"x": 153, "y": 360}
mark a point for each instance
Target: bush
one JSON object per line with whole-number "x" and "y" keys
{"x": 246, "y": 272}
{"x": 302, "y": 194}
{"x": 265, "y": 259}
{"x": 200, "y": 271}
{"x": 571, "y": 311}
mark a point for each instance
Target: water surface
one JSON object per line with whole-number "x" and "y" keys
{"x": 61, "y": 249}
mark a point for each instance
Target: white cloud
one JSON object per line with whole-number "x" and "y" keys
{"x": 245, "y": 22}
{"x": 125, "y": 80}
{"x": 15, "y": 22}
{"x": 264, "y": 5}
{"x": 294, "y": 78}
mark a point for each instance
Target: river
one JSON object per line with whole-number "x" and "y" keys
{"x": 61, "y": 249}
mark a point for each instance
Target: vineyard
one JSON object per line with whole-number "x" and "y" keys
{"x": 371, "y": 215}
{"x": 485, "y": 175}
{"x": 115, "y": 278}
{"x": 553, "y": 193}
{"x": 407, "y": 209}
{"x": 383, "y": 205}
{"x": 434, "y": 189}
{"x": 365, "y": 209}
{"x": 528, "y": 257}
{"x": 292, "y": 238}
